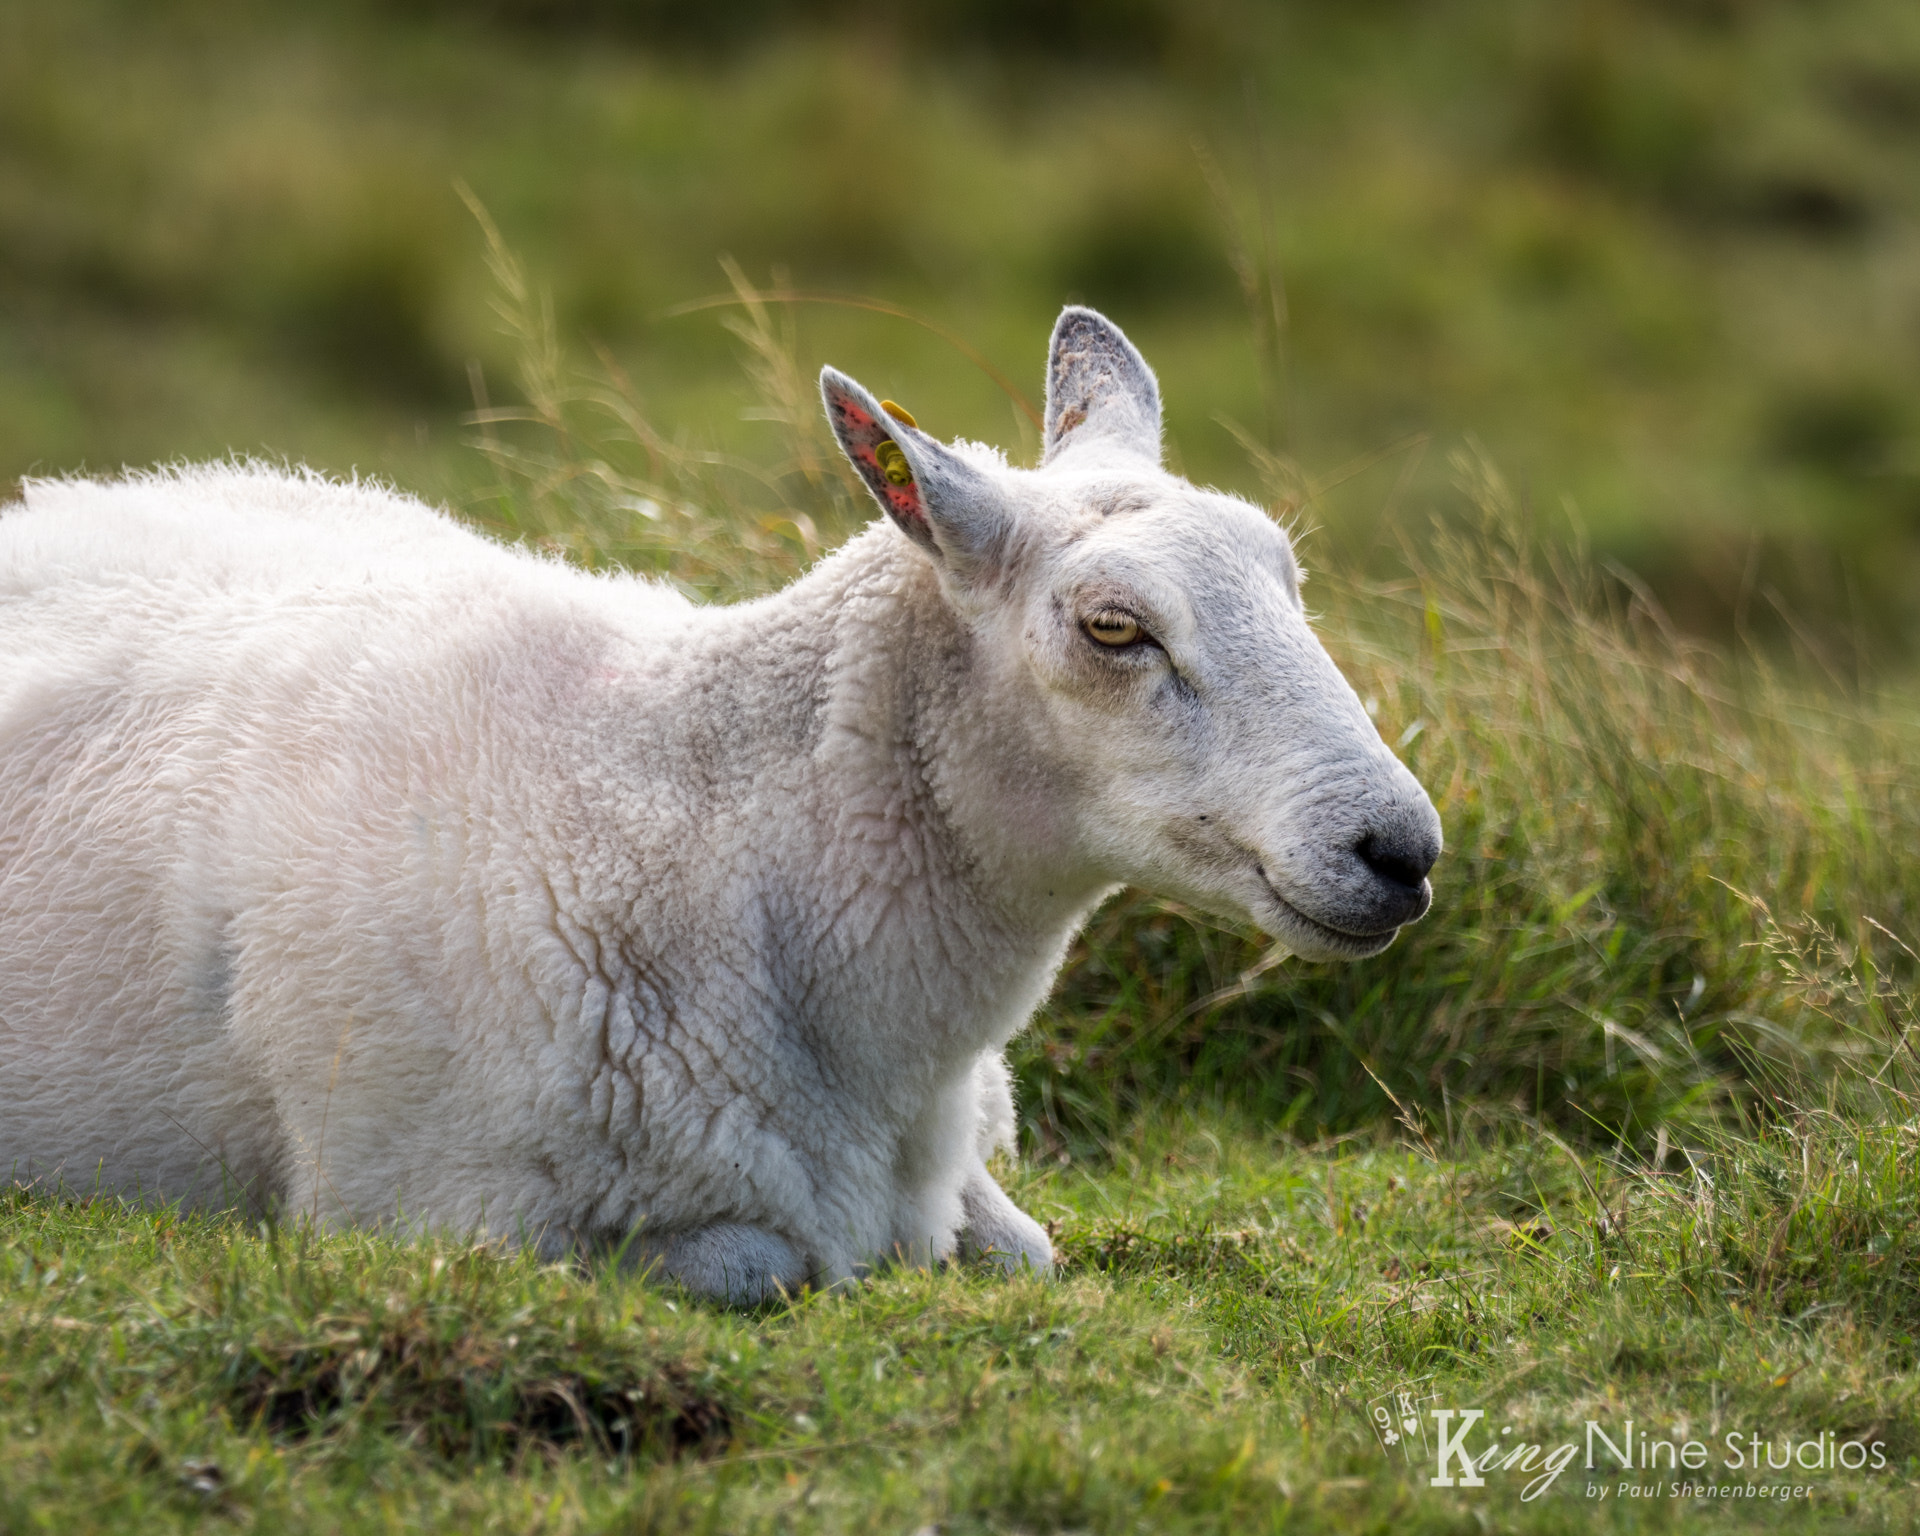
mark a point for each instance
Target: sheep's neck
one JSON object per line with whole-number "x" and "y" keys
{"x": 951, "y": 838}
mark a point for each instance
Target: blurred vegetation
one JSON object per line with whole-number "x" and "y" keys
{"x": 1661, "y": 259}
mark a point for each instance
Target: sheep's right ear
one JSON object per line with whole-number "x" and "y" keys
{"x": 940, "y": 501}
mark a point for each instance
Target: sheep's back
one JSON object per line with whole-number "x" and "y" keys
{"x": 206, "y": 677}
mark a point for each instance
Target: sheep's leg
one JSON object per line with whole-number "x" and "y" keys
{"x": 740, "y": 1265}
{"x": 998, "y": 1229}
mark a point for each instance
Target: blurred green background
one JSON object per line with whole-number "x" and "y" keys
{"x": 1661, "y": 257}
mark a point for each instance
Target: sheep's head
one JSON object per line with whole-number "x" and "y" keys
{"x": 1152, "y": 634}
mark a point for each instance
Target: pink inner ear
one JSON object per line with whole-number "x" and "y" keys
{"x": 862, "y": 432}
{"x": 853, "y": 416}
{"x": 902, "y": 500}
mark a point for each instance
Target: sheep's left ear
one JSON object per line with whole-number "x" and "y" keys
{"x": 1099, "y": 389}
{"x": 949, "y": 508}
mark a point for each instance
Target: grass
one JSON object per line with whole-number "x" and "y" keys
{"x": 1231, "y": 1306}
{"x": 1639, "y": 828}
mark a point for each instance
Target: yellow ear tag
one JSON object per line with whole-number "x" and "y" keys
{"x": 899, "y": 413}
{"x": 893, "y": 463}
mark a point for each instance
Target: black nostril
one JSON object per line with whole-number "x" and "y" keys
{"x": 1393, "y": 860}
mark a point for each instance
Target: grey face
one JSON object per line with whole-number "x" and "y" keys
{"x": 1213, "y": 751}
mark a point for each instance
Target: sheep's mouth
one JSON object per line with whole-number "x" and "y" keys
{"x": 1312, "y": 939}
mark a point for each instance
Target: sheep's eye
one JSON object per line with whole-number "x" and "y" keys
{"x": 1112, "y": 627}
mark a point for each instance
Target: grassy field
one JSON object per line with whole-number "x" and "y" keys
{"x": 1625, "y": 1130}
{"x": 1232, "y": 1307}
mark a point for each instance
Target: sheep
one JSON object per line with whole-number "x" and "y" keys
{"x": 352, "y": 862}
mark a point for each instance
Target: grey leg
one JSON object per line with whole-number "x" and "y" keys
{"x": 996, "y": 1228}
{"x": 740, "y": 1265}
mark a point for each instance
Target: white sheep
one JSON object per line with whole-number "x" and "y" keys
{"x": 351, "y": 861}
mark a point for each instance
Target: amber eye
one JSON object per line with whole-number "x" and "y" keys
{"x": 1112, "y": 627}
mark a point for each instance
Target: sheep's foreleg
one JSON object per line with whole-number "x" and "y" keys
{"x": 998, "y": 1229}
{"x": 740, "y": 1265}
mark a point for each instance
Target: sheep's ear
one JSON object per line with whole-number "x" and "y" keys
{"x": 1099, "y": 387}
{"x": 939, "y": 500}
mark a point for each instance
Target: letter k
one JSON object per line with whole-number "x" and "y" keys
{"x": 1454, "y": 1445}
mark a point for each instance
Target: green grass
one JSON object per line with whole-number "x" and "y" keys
{"x": 1231, "y": 1304}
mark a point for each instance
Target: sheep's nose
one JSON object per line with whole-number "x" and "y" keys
{"x": 1401, "y": 847}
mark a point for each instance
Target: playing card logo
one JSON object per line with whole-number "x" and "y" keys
{"x": 1399, "y": 1420}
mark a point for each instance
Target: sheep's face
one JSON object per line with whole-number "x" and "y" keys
{"x": 1217, "y": 754}
{"x": 1152, "y": 640}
